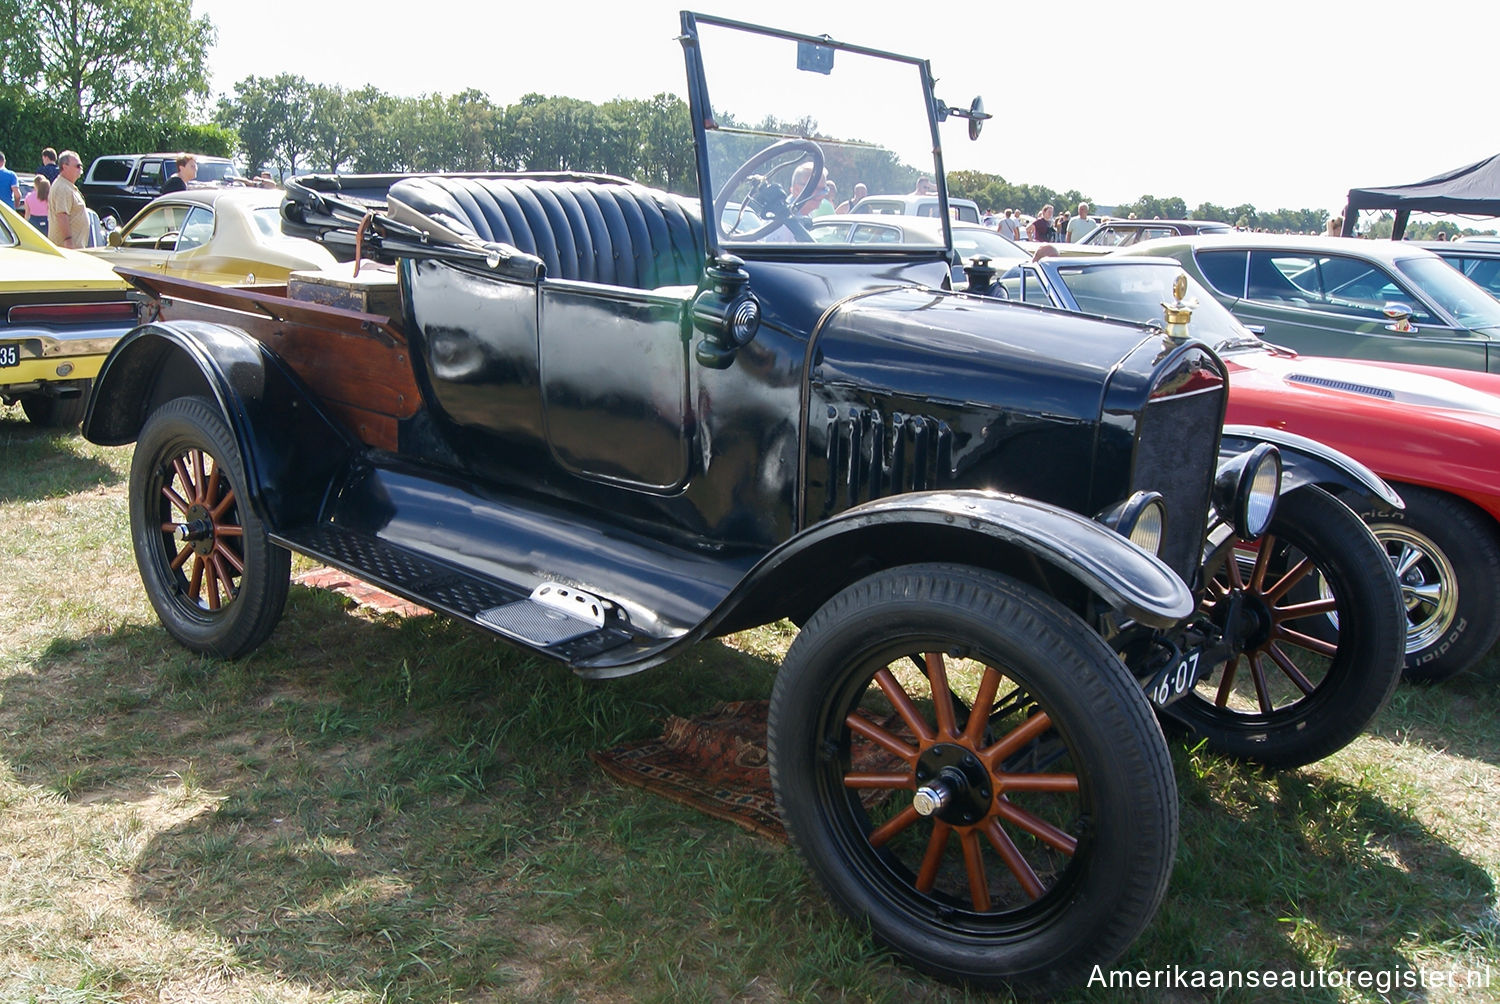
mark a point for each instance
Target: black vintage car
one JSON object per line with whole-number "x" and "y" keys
{"x": 604, "y": 422}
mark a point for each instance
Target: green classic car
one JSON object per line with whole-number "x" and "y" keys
{"x": 1338, "y": 296}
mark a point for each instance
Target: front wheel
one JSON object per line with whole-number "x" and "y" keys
{"x": 1313, "y": 611}
{"x": 1447, "y": 558}
{"x": 967, "y": 768}
{"x": 210, "y": 570}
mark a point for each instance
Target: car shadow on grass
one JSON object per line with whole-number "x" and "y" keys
{"x": 404, "y": 806}
{"x": 42, "y": 463}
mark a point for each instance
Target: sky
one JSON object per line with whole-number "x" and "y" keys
{"x": 1283, "y": 105}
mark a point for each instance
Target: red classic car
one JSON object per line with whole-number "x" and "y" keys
{"x": 1433, "y": 433}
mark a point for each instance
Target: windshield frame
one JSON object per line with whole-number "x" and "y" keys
{"x": 701, "y": 112}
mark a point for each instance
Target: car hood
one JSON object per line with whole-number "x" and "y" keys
{"x": 1340, "y": 380}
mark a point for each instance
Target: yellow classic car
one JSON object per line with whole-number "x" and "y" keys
{"x": 225, "y": 236}
{"x": 61, "y": 312}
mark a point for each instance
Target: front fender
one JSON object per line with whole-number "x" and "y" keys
{"x": 958, "y": 525}
{"x": 291, "y": 449}
{"x": 1306, "y": 461}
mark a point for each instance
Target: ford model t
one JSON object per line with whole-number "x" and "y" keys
{"x": 605, "y": 422}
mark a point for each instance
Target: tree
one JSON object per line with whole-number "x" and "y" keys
{"x": 274, "y": 119}
{"x": 107, "y": 59}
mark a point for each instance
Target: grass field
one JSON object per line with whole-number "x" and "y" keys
{"x": 373, "y": 808}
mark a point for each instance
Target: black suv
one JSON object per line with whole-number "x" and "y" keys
{"x": 120, "y": 185}
{"x": 604, "y": 422}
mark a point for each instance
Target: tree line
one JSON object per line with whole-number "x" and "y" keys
{"x": 121, "y": 76}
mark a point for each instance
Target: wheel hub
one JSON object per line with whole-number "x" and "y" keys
{"x": 953, "y": 785}
{"x": 198, "y": 530}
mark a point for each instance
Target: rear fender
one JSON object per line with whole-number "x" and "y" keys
{"x": 293, "y": 452}
{"x": 1008, "y": 533}
{"x": 1308, "y": 462}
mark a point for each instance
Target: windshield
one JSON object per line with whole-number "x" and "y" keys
{"x": 794, "y": 127}
{"x": 1136, "y": 291}
{"x": 1465, "y": 302}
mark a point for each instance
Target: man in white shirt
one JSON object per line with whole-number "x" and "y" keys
{"x": 1080, "y": 226}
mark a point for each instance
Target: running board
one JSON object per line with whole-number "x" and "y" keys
{"x": 554, "y": 619}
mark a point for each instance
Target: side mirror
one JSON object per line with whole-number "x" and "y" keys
{"x": 975, "y": 113}
{"x": 115, "y": 238}
{"x": 1400, "y": 317}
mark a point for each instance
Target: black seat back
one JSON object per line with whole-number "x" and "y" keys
{"x": 615, "y": 234}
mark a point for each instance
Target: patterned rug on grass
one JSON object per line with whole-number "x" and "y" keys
{"x": 717, "y": 764}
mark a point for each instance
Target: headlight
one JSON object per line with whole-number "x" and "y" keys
{"x": 1142, "y": 518}
{"x": 1246, "y": 488}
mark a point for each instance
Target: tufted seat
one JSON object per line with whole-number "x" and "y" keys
{"x": 615, "y": 234}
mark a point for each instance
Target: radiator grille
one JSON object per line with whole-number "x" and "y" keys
{"x": 1176, "y": 453}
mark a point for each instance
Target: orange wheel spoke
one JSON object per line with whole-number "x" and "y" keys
{"x": 225, "y": 578}
{"x": 195, "y": 583}
{"x": 1290, "y": 669}
{"x": 1294, "y": 575}
{"x": 182, "y": 555}
{"x": 224, "y": 503}
{"x": 199, "y": 477}
{"x": 211, "y": 493}
{"x": 979, "y": 887}
{"x": 1039, "y": 828}
{"x": 984, "y": 701}
{"x": 226, "y": 555}
{"x": 1258, "y": 675}
{"x": 1306, "y": 641}
{"x": 1262, "y": 559}
{"x": 896, "y": 694}
{"x": 942, "y": 696}
{"x": 229, "y": 530}
{"x": 1297, "y": 611}
{"x": 185, "y": 478}
{"x": 1017, "y": 737}
{"x": 1039, "y": 782}
{"x": 893, "y": 826}
{"x": 1226, "y": 682}
{"x": 1014, "y": 860}
{"x": 211, "y": 583}
{"x": 933, "y": 859}
{"x": 880, "y": 781}
{"x": 1232, "y": 572}
{"x": 176, "y": 500}
{"x": 879, "y": 736}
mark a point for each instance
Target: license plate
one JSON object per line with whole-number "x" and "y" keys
{"x": 1177, "y": 678}
{"x": 10, "y": 355}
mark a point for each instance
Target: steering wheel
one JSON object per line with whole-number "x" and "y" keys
{"x": 767, "y": 198}
{"x": 172, "y": 235}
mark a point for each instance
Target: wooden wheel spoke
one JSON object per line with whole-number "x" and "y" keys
{"x": 933, "y": 859}
{"x": 1262, "y": 559}
{"x": 1226, "y": 682}
{"x": 1262, "y": 695}
{"x": 181, "y": 504}
{"x": 195, "y": 581}
{"x": 1016, "y": 738}
{"x": 226, "y": 555}
{"x": 226, "y": 579}
{"x": 879, "y": 736}
{"x": 1294, "y": 575}
{"x": 1297, "y": 611}
{"x": 1014, "y": 860}
{"x": 896, "y": 694}
{"x": 185, "y": 478}
{"x": 1037, "y": 827}
{"x": 979, "y": 887}
{"x": 211, "y": 583}
{"x": 1232, "y": 572}
{"x": 1039, "y": 782}
{"x": 229, "y": 530}
{"x": 218, "y": 511}
{"x": 1306, "y": 641}
{"x": 181, "y": 556}
{"x": 1290, "y": 669}
{"x": 212, "y": 491}
{"x": 864, "y": 780}
{"x": 942, "y": 696}
{"x": 200, "y": 478}
{"x": 984, "y": 701}
{"x": 906, "y": 817}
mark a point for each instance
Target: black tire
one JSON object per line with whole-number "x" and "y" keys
{"x": 1325, "y": 656}
{"x": 57, "y": 412}
{"x": 1090, "y": 842}
{"x": 222, "y": 592}
{"x": 1447, "y": 559}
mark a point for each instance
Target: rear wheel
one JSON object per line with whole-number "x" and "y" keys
{"x": 57, "y": 412}
{"x": 968, "y": 769}
{"x": 210, "y": 570}
{"x": 1314, "y": 612}
{"x": 1447, "y": 559}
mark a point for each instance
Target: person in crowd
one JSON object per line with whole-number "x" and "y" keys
{"x": 10, "y": 185}
{"x": 1060, "y": 227}
{"x": 925, "y": 186}
{"x": 36, "y": 202}
{"x": 49, "y": 165}
{"x": 1334, "y": 227}
{"x": 1080, "y": 226}
{"x": 1042, "y": 230}
{"x": 827, "y": 205}
{"x": 1442, "y": 235}
{"x": 860, "y": 191}
{"x": 813, "y": 197}
{"x": 67, "y": 214}
{"x": 1009, "y": 226}
{"x": 187, "y": 170}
